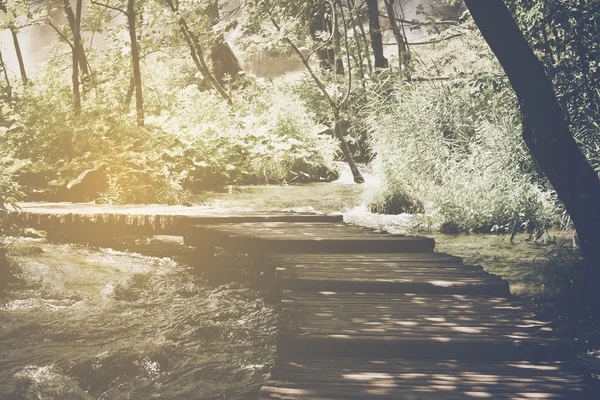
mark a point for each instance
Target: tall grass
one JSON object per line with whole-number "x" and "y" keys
{"x": 460, "y": 155}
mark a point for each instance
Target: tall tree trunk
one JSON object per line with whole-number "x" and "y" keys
{"x": 546, "y": 131}
{"x": 197, "y": 54}
{"x": 400, "y": 41}
{"x": 337, "y": 42}
{"x": 359, "y": 50}
{"x": 325, "y": 54}
{"x": 13, "y": 32}
{"x": 83, "y": 63}
{"x": 129, "y": 94}
{"x": 363, "y": 34}
{"x": 76, "y": 57}
{"x": 375, "y": 34}
{"x": 339, "y": 132}
{"x": 5, "y": 73}
{"x": 224, "y": 60}
{"x": 135, "y": 60}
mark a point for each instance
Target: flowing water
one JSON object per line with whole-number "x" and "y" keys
{"x": 103, "y": 324}
{"x": 96, "y": 323}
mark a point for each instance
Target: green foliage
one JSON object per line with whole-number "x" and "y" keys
{"x": 564, "y": 36}
{"x": 192, "y": 140}
{"x": 560, "y": 271}
{"x": 454, "y": 144}
{"x": 10, "y": 194}
{"x": 459, "y": 155}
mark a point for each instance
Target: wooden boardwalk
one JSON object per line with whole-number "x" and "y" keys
{"x": 367, "y": 315}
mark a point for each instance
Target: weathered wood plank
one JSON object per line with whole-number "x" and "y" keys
{"x": 396, "y": 274}
{"x": 110, "y": 220}
{"x": 410, "y": 325}
{"x": 284, "y": 237}
{"x": 346, "y": 378}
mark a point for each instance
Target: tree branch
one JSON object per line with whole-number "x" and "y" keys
{"x": 62, "y": 36}
{"x": 422, "y": 23}
{"x": 430, "y": 41}
{"x": 109, "y": 7}
{"x": 347, "y": 46}
{"x": 304, "y": 62}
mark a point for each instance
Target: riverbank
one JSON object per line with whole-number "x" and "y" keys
{"x": 153, "y": 291}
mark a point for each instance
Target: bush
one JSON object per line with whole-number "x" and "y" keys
{"x": 9, "y": 195}
{"x": 192, "y": 139}
{"x": 453, "y": 144}
{"x": 461, "y": 157}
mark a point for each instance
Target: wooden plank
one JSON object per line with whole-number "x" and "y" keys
{"x": 346, "y": 378}
{"x": 390, "y": 277}
{"x": 427, "y": 326}
{"x": 389, "y": 273}
{"x": 111, "y": 220}
{"x": 367, "y": 257}
{"x": 495, "y": 288}
{"x": 283, "y": 237}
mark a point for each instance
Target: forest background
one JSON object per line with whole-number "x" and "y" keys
{"x": 151, "y": 101}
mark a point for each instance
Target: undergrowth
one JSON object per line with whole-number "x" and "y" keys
{"x": 9, "y": 195}
{"x": 452, "y": 149}
{"x": 192, "y": 140}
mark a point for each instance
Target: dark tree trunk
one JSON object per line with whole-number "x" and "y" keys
{"x": 13, "y": 32}
{"x": 375, "y": 34}
{"x": 198, "y": 55}
{"x": 224, "y": 60}
{"x": 83, "y": 64}
{"x": 359, "y": 52}
{"x": 339, "y": 131}
{"x": 5, "y": 73}
{"x": 337, "y": 41}
{"x": 363, "y": 34}
{"x": 76, "y": 57}
{"x": 401, "y": 42}
{"x": 129, "y": 94}
{"x": 325, "y": 54}
{"x": 546, "y": 131}
{"x": 135, "y": 59}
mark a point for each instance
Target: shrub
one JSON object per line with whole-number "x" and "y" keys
{"x": 9, "y": 195}
{"x": 462, "y": 157}
{"x": 454, "y": 144}
{"x": 192, "y": 139}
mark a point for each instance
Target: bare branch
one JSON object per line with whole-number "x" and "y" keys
{"x": 429, "y": 41}
{"x": 326, "y": 42}
{"x": 109, "y": 7}
{"x": 305, "y": 62}
{"x": 62, "y": 36}
{"x": 422, "y": 23}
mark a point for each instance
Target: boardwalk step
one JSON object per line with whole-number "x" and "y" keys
{"x": 368, "y": 258}
{"x": 115, "y": 220}
{"x": 391, "y": 275}
{"x": 388, "y": 379}
{"x": 318, "y": 237}
{"x": 329, "y": 324}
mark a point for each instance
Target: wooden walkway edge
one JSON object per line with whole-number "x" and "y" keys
{"x": 366, "y": 315}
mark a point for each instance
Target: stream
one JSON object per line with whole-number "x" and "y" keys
{"x": 103, "y": 324}
{"x": 99, "y": 323}
{"x": 141, "y": 319}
